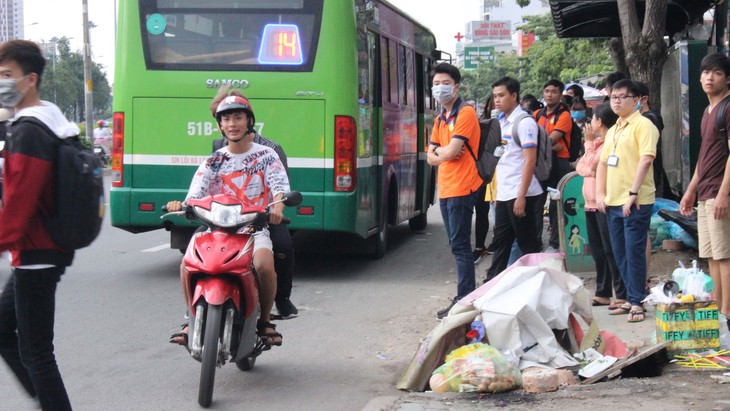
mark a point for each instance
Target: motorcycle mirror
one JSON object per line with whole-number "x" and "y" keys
{"x": 293, "y": 198}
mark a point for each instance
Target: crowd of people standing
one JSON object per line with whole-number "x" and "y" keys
{"x": 621, "y": 166}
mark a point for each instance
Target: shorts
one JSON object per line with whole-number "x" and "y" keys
{"x": 262, "y": 240}
{"x": 714, "y": 235}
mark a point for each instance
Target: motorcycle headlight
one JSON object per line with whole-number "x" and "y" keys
{"x": 224, "y": 215}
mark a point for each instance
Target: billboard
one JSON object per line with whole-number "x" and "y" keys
{"x": 496, "y": 30}
{"x": 474, "y": 55}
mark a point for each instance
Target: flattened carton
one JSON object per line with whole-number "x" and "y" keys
{"x": 690, "y": 327}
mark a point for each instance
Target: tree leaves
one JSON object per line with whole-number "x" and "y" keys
{"x": 63, "y": 83}
{"x": 549, "y": 57}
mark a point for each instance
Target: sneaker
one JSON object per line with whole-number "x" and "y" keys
{"x": 479, "y": 254}
{"x": 286, "y": 309}
{"x": 444, "y": 311}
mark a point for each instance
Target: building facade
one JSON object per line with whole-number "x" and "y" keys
{"x": 11, "y": 20}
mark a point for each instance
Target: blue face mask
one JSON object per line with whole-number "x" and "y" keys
{"x": 578, "y": 114}
{"x": 638, "y": 105}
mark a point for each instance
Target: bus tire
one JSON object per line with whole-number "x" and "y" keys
{"x": 419, "y": 222}
{"x": 381, "y": 238}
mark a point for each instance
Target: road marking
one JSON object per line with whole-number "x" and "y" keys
{"x": 158, "y": 248}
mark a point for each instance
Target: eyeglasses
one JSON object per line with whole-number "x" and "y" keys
{"x": 619, "y": 98}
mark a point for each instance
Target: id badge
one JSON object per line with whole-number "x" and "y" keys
{"x": 499, "y": 151}
{"x": 612, "y": 160}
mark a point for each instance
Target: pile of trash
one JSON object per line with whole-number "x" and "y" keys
{"x": 520, "y": 330}
{"x": 686, "y": 286}
{"x": 661, "y": 228}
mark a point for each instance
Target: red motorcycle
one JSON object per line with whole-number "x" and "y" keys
{"x": 222, "y": 286}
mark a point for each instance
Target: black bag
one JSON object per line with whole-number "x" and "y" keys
{"x": 490, "y": 137}
{"x": 79, "y": 193}
{"x": 576, "y": 133}
{"x": 720, "y": 121}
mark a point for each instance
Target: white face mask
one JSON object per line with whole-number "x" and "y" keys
{"x": 443, "y": 93}
{"x": 9, "y": 94}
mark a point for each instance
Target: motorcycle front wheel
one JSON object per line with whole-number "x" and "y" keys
{"x": 210, "y": 354}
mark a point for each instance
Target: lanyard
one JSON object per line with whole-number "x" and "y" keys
{"x": 615, "y": 139}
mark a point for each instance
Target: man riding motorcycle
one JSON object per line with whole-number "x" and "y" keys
{"x": 252, "y": 172}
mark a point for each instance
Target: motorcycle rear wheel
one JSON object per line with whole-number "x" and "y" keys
{"x": 247, "y": 363}
{"x": 209, "y": 358}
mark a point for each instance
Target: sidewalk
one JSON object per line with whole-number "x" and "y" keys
{"x": 633, "y": 334}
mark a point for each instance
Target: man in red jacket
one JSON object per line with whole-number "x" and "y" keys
{"x": 27, "y": 303}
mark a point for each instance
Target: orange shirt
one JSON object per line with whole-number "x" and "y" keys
{"x": 458, "y": 177}
{"x": 564, "y": 123}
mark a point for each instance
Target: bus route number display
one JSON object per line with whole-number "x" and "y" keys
{"x": 281, "y": 44}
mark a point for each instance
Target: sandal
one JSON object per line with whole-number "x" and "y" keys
{"x": 633, "y": 314}
{"x": 616, "y": 304}
{"x": 266, "y": 338}
{"x": 625, "y": 308}
{"x": 599, "y": 301}
{"x": 180, "y": 338}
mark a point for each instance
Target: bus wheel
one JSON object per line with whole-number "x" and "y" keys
{"x": 419, "y": 222}
{"x": 381, "y": 239}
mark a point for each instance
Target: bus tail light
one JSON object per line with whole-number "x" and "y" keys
{"x": 345, "y": 154}
{"x": 118, "y": 149}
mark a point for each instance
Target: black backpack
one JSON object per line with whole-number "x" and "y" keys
{"x": 490, "y": 137}
{"x": 720, "y": 121}
{"x": 576, "y": 133}
{"x": 78, "y": 193}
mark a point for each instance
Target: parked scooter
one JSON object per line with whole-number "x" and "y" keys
{"x": 222, "y": 285}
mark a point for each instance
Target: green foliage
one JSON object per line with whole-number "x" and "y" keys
{"x": 63, "y": 84}
{"x": 549, "y": 57}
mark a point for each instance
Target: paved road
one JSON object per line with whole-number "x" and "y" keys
{"x": 360, "y": 323}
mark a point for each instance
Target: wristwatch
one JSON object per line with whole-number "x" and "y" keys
{"x": 631, "y": 193}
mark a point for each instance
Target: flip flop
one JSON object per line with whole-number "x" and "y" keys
{"x": 634, "y": 313}
{"x": 597, "y": 303}
{"x": 623, "y": 309}
{"x": 616, "y": 304}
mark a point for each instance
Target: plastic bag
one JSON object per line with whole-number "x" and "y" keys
{"x": 476, "y": 368}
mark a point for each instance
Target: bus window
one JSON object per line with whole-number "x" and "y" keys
{"x": 410, "y": 77}
{"x": 276, "y": 35}
{"x": 402, "y": 89}
{"x": 393, "y": 71}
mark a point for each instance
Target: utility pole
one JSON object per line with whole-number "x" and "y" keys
{"x": 88, "y": 96}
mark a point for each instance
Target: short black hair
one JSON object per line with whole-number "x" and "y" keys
{"x": 577, "y": 90}
{"x": 715, "y": 61}
{"x": 579, "y": 100}
{"x": 627, "y": 84}
{"x": 642, "y": 89}
{"x": 511, "y": 84}
{"x": 605, "y": 114}
{"x": 613, "y": 78}
{"x": 446, "y": 68}
{"x": 532, "y": 101}
{"x": 555, "y": 83}
{"x": 25, "y": 54}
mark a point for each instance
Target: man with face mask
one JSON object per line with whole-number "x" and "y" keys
{"x": 27, "y": 303}
{"x": 455, "y": 126}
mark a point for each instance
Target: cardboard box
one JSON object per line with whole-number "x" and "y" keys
{"x": 690, "y": 327}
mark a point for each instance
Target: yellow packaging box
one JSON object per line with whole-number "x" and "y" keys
{"x": 690, "y": 327}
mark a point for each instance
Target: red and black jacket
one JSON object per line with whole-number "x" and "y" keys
{"x": 28, "y": 194}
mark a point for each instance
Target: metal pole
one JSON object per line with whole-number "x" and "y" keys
{"x": 88, "y": 96}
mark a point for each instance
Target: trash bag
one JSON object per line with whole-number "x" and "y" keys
{"x": 476, "y": 368}
{"x": 677, "y": 233}
{"x": 658, "y": 231}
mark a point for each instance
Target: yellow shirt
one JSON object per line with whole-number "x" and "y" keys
{"x": 629, "y": 140}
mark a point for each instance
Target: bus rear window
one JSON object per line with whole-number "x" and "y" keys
{"x": 230, "y": 35}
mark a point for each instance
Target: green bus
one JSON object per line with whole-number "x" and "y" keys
{"x": 342, "y": 85}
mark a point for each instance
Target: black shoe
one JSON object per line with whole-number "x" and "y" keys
{"x": 444, "y": 311}
{"x": 492, "y": 248}
{"x": 286, "y": 309}
{"x": 479, "y": 254}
